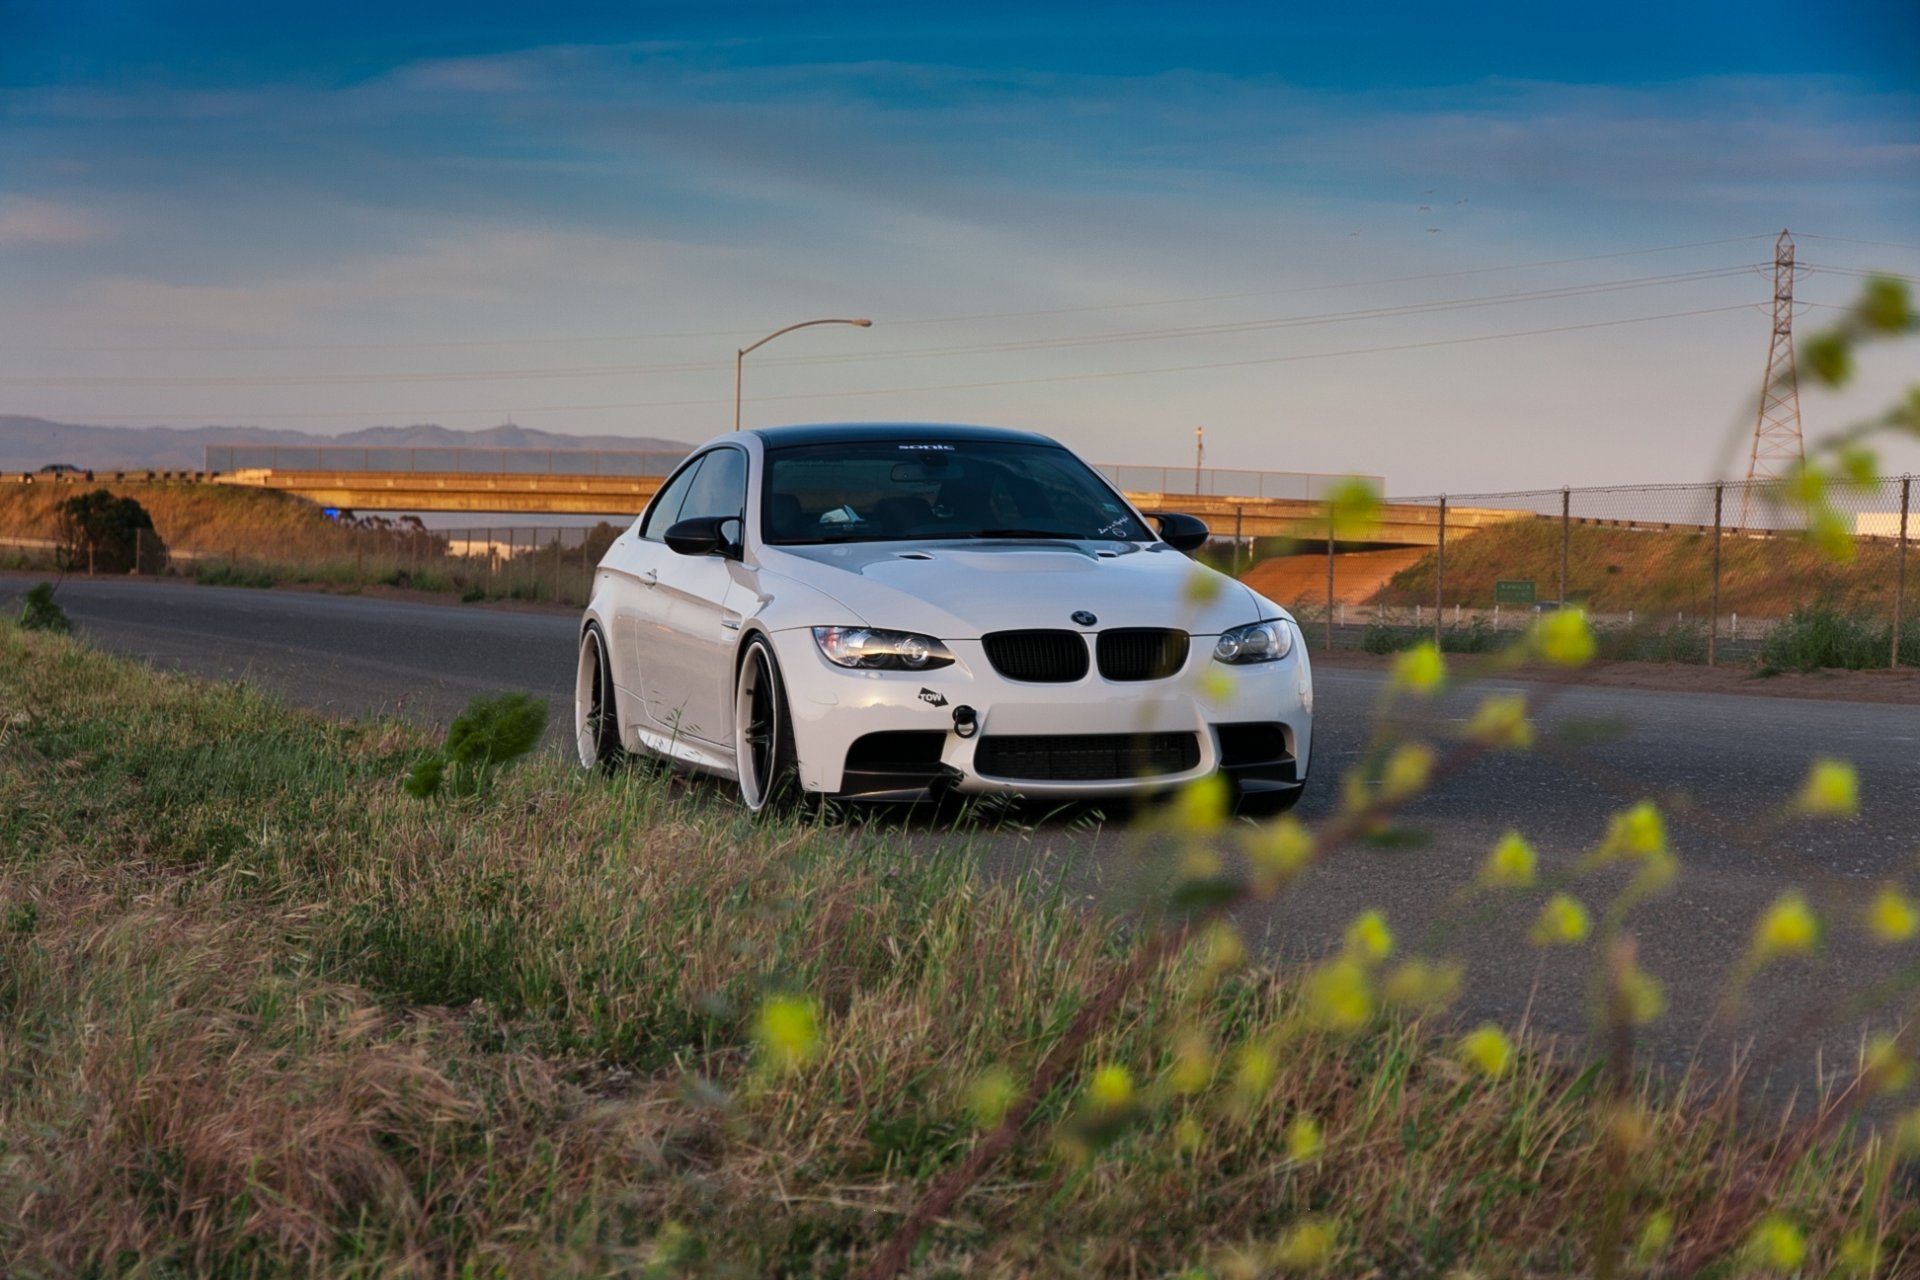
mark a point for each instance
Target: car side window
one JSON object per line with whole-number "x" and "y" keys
{"x": 665, "y": 511}
{"x": 720, "y": 489}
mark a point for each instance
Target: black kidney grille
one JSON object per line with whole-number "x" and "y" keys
{"x": 1085, "y": 757}
{"x": 1141, "y": 653}
{"x": 1053, "y": 657}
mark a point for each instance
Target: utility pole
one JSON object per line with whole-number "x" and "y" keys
{"x": 1777, "y": 447}
{"x": 1199, "y": 454}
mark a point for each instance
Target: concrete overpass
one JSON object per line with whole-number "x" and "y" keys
{"x": 1402, "y": 525}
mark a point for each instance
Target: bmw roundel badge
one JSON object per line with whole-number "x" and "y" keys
{"x": 1084, "y": 618}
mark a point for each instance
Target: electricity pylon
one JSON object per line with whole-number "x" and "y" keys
{"x": 1777, "y": 446}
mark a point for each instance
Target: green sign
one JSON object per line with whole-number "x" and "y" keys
{"x": 1513, "y": 591}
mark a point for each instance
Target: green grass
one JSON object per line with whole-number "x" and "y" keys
{"x": 1820, "y": 637}
{"x": 262, "y": 1013}
{"x": 228, "y": 574}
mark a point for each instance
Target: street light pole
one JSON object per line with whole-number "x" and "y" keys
{"x": 740, "y": 356}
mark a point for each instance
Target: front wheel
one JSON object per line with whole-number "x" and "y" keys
{"x": 596, "y": 723}
{"x": 762, "y": 735}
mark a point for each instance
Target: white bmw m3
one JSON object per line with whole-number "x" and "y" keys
{"x": 892, "y": 612}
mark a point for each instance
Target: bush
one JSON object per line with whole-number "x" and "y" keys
{"x": 1686, "y": 642}
{"x": 489, "y": 734}
{"x": 1822, "y": 636}
{"x": 1477, "y": 636}
{"x": 231, "y": 575}
{"x": 101, "y": 533}
{"x": 42, "y": 612}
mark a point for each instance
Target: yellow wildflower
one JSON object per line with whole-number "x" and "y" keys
{"x": 1221, "y": 949}
{"x": 788, "y": 1031}
{"x": 1860, "y": 1255}
{"x": 1304, "y": 1141}
{"x": 1254, "y": 1071}
{"x": 1415, "y": 984}
{"x": 989, "y": 1096}
{"x": 1889, "y": 1069}
{"x": 1278, "y": 851}
{"x": 1832, "y": 790}
{"x": 1501, "y": 721}
{"x": 1787, "y": 928}
{"x": 1654, "y": 1237}
{"x": 1188, "y": 1135}
{"x": 1776, "y": 1244}
{"x": 1419, "y": 670}
{"x": 1408, "y": 769}
{"x": 1562, "y": 922}
{"x": 1339, "y": 996}
{"x": 1111, "y": 1087}
{"x": 1893, "y": 917}
{"x": 1487, "y": 1050}
{"x": 1638, "y": 832}
{"x": 1354, "y": 507}
{"x": 1643, "y": 996}
{"x": 1201, "y": 805}
{"x": 1511, "y": 865}
{"x": 1307, "y": 1246}
{"x": 1192, "y": 1065}
{"x": 1564, "y": 638}
{"x": 1368, "y": 938}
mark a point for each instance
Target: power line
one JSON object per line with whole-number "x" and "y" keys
{"x": 452, "y": 344}
{"x": 418, "y": 414}
{"x": 994, "y": 348}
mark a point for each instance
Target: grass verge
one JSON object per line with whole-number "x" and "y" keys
{"x": 261, "y": 1013}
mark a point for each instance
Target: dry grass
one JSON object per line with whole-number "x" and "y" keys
{"x": 263, "y": 1014}
{"x": 1653, "y": 571}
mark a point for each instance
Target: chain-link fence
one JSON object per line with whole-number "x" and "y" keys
{"x": 1701, "y": 573}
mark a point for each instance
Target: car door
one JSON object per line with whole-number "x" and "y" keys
{"x": 639, "y": 610}
{"x": 690, "y": 685}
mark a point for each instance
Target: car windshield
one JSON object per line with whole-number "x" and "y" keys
{"x": 892, "y": 490}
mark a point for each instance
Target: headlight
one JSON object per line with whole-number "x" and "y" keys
{"x": 1255, "y": 642}
{"x": 871, "y": 650}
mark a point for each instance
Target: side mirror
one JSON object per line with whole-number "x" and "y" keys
{"x": 703, "y": 536}
{"x": 1181, "y": 532}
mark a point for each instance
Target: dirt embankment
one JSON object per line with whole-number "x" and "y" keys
{"x": 1899, "y": 687}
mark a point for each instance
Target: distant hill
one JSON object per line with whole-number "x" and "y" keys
{"x": 26, "y": 444}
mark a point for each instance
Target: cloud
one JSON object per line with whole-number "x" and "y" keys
{"x": 28, "y": 221}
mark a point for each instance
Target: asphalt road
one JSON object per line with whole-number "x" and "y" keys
{"x": 1721, "y": 763}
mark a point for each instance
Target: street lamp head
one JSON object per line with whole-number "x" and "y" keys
{"x": 864, "y": 324}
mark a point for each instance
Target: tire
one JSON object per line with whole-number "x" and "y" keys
{"x": 768, "y": 765}
{"x": 1267, "y": 804}
{"x": 596, "y": 722}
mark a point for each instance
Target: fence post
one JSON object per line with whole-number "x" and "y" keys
{"x": 1900, "y": 574}
{"x": 1238, "y": 511}
{"x": 1440, "y": 573}
{"x": 1566, "y": 538}
{"x": 1330, "y": 533}
{"x": 1713, "y": 626}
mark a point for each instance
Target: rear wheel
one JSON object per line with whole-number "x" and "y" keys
{"x": 762, "y": 735}
{"x": 596, "y": 724}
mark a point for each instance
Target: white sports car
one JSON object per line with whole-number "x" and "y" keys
{"x": 890, "y": 612}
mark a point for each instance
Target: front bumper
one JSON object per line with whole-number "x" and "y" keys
{"x": 1255, "y": 721}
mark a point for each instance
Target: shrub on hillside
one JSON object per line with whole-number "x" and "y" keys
{"x": 102, "y": 533}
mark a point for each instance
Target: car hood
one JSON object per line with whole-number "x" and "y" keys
{"x": 960, "y": 591}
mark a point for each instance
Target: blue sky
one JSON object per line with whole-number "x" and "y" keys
{"x": 1464, "y": 248}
